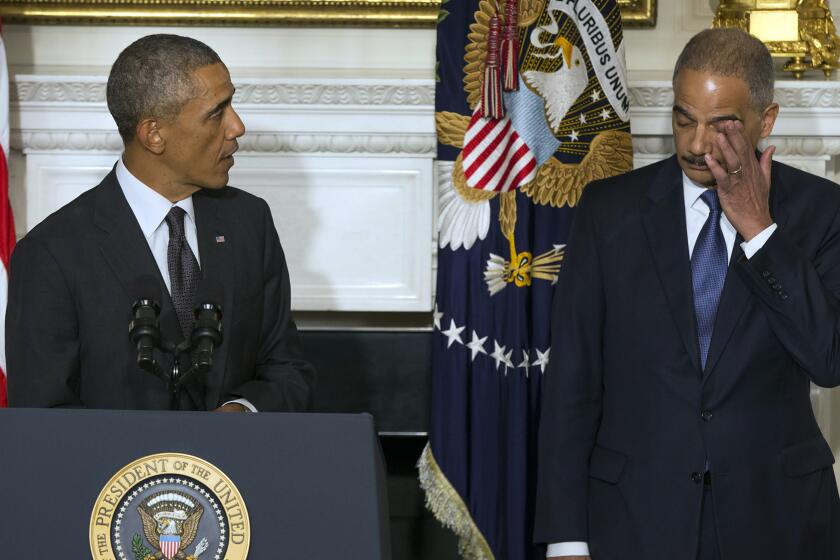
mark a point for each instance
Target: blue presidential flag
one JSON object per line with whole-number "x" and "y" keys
{"x": 532, "y": 104}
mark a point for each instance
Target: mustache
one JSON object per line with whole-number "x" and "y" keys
{"x": 697, "y": 161}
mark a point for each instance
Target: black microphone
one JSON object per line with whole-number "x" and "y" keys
{"x": 207, "y": 334}
{"x": 144, "y": 329}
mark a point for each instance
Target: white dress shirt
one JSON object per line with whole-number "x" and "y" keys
{"x": 696, "y": 214}
{"x": 150, "y": 208}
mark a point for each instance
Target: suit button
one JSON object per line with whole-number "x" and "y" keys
{"x": 706, "y": 415}
{"x": 696, "y": 477}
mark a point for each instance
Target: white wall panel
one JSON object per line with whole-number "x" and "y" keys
{"x": 56, "y": 179}
{"x": 356, "y": 232}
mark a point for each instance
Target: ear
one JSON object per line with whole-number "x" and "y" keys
{"x": 148, "y": 136}
{"x": 768, "y": 119}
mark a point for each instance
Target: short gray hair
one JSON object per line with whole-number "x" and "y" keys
{"x": 153, "y": 77}
{"x": 730, "y": 52}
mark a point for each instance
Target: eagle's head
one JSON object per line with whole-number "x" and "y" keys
{"x": 572, "y": 56}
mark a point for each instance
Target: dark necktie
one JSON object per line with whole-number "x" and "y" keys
{"x": 184, "y": 272}
{"x": 708, "y": 273}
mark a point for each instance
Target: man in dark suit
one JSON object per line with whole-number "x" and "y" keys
{"x": 698, "y": 301}
{"x": 164, "y": 210}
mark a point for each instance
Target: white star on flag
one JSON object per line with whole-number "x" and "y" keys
{"x": 582, "y": 118}
{"x": 605, "y": 114}
{"x": 526, "y": 362}
{"x": 596, "y": 95}
{"x": 542, "y": 359}
{"x": 506, "y": 359}
{"x": 477, "y": 345}
{"x": 574, "y": 136}
{"x": 498, "y": 353}
{"x": 436, "y": 317}
{"x": 453, "y": 334}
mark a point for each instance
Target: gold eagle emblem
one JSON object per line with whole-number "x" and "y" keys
{"x": 175, "y": 517}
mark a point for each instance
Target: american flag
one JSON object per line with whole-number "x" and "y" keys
{"x": 500, "y": 247}
{"x": 7, "y": 226}
{"x": 495, "y": 156}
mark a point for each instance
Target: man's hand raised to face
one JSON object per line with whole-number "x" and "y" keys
{"x": 743, "y": 186}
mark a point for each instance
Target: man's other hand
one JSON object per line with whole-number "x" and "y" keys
{"x": 232, "y": 407}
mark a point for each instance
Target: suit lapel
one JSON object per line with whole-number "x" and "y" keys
{"x": 736, "y": 295}
{"x": 126, "y": 250}
{"x": 733, "y": 302}
{"x": 217, "y": 262}
{"x": 663, "y": 215}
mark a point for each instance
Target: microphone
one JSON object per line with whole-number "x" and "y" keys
{"x": 144, "y": 329}
{"x": 207, "y": 334}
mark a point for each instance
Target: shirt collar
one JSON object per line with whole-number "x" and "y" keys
{"x": 148, "y": 206}
{"x": 691, "y": 195}
{"x": 692, "y": 192}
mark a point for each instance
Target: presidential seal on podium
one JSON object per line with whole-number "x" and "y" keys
{"x": 169, "y": 506}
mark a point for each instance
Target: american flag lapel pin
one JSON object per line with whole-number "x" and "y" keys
{"x": 220, "y": 239}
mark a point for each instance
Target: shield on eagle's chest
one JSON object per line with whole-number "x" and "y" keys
{"x": 169, "y": 545}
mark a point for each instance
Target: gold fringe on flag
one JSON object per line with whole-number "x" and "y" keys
{"x": 450, "y": 510}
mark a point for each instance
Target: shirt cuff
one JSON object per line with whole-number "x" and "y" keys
{"x": 567, "y": 549}
{"x": 752, "y": 246}
{"x": 244, "y": 402}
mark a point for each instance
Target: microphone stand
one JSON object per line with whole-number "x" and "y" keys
{"x": 175, "y": 378}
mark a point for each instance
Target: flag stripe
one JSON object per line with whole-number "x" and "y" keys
{"x": 488, "y": 164}
{"x": 485, "y": 143}
{"x": 495, "y": 157}
{"x": 7, "y": 226}
{"x": 513, "y": 170}
{"x": 513, "y": 156}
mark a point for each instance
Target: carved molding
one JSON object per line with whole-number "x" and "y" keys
{"x": 653, "y": 145}
{"x": 806, "y": 147}
{"x": 69, "y": 141}
{"x": 420, "y": 145}
{"x": 57, "y": 92}
{"x": 659, "y": 95}
{"x": 786, "y": 146}
{"x": 324, "y": 94}
{"x": 826, "y": 96}
{"x": 815, "y": 97}
{"x": 651, "y": 96}
{"x": 340, "y": 144}
{"x": 27, "y": 91}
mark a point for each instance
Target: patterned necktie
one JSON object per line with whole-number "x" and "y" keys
{"x": 184, "y": 272}
{"x": 709, "y": 263}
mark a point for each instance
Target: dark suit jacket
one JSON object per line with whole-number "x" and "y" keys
{"x": 629, "y": 419}
{"x": 70, "y": 304}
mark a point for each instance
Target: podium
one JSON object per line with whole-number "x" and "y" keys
{"x": 311, "y": 486}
